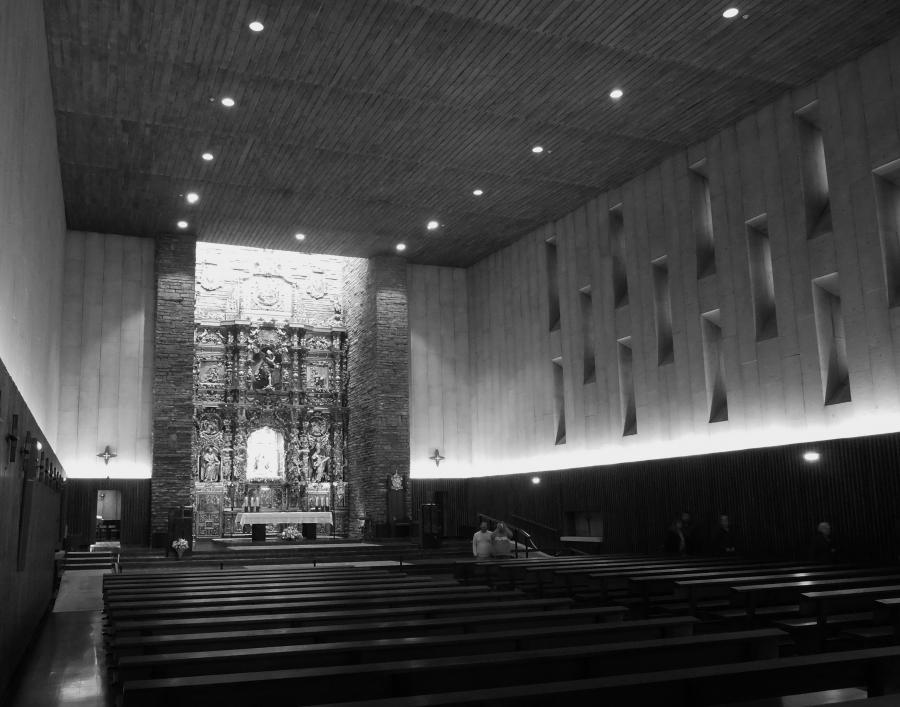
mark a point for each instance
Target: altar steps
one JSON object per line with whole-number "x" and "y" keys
{"x": 88, "y": 561}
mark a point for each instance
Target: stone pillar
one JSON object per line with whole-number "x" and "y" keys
{"x": 173, "y": 379}
{"x": 375, "y": 299}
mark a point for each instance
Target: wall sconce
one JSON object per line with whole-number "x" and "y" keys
{"x": 436, "y": 458}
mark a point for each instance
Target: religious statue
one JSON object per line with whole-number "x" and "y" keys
{"x": 268, "y": 372}
{"x": 210, "y": 464}
{"x": 319, "y": 460}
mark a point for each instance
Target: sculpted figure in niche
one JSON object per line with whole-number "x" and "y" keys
{"x": 319, "y": 461}
{"x": 268, "y": 370}
{"x": 210, "y": 464}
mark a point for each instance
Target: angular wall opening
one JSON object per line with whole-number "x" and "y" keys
{"x": 559, "y": 401}
{"x": 714, "y": 366}
{"x": 816, "y": 199}
{"x": 887, "y": 196}
{"x": 762, "y": 279}
{"x": 662, "y": 311}
{"x": 617, "y": 252}
{"x": 587, "y": 334}
{"x": 626, "y": 387}
{"x": 701, "y": 217}
{"x": 552, "y": 284}
{"x": 831, "y": 339}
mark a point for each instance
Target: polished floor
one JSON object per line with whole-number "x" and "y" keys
{"x": 67, "y": 665}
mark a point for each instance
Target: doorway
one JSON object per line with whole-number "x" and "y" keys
{"x": 109, "y": 515}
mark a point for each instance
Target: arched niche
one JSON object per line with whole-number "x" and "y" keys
{"x": 265, "y": 454}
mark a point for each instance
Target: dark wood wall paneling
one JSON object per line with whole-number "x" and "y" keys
{"x": 81, "y": 509}
{"x": 774, "y": 498}
{"x": 30, "y": 507}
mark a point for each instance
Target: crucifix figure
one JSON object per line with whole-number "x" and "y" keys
{"x": 436, "y": 458}
{"x": 106, "y": 455}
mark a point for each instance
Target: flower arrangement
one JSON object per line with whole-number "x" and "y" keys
{"x": 290, "y": 533}
{"x": 180, "y": 545}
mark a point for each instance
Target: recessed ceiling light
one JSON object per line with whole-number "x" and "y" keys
{"x": 478, "y": 192}
{"x": 228, "y": 101}
{"x": 192, "y": 197}
{"x": 182, "y": 224}
{"x": 731, "y": 12}
{"x": 811, "y": 456}
{"x": 300, "y": 236}
{"x": 257, "y": 26}
{"x": 616, "y": 94}
{"x": 433, "y": 225}
{"x": 208, "y": 156}
{"x": 537, "y": 149}
{"x": 401, "y": 247}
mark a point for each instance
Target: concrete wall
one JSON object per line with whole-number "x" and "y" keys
{"x": 32, "y": 219}
{"x": 107, "y": 355}
{"x": 762, "y": 269}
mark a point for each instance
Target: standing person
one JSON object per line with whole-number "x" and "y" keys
{"x": 482, "y": 541}
{"x": 691, "y": 535}
{"x": 675, "y": 538}
{"x": 823, "y": 549}
{"x": 723, "y": 542}
{"x": 501, "y": 545}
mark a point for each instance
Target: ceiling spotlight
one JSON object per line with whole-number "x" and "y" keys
{"x": 616, "y": 94}
{"x": 300, "y": 236}
{"x": 182, "y": 224}
{"x": 811, "y": 456}
{"x": 537, "y": 149}
{"x": 257, "y": 26}
{"x": 535, "y": 480}
{"x": 192, "y": 197}
{"x": 401, "y": 247}
{"x": 478, "y": 192}
{"x": 228, "y": 102}
{"x": 731, "y": 12}
{"x": 433, "y": 225}
{"x": 207, "y": 156}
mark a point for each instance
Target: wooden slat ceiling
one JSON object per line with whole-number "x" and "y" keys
{"x": 359, "y": 120}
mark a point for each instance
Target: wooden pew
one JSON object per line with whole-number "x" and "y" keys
{"x": 754, "y": 595}
{"x": 358, "y": 650}
{"x": 311, "y": 616}
{"x": 513, "y": 571}
{"x": 599, "y": 619}
{"x": 406, "y": 677}
{"x": 288, "y": 600}
{"x": 876, "y": 669}
{"x": 695, "y": 590}
{"x": 823, "y": 603}
{"x": 887, "y": 611}
{"x": 242, "y": 592}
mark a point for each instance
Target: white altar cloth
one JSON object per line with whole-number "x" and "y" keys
{"x": 283, "y": 517}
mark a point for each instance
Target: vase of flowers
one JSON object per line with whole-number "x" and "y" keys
{"x": 179, "y": 546}
{"x": 290, "y": 534}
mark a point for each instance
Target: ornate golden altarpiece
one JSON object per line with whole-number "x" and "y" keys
{"x": 270, "y": 391}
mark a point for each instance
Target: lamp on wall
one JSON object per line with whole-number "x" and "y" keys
{"x": 436, "y": 458}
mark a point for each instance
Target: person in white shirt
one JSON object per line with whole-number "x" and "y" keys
{"x": 482, "y": 541}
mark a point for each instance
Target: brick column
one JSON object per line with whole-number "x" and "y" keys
{"x": 375, "y": 298}
{"x": 173, "y": 358}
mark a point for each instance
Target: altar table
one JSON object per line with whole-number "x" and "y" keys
{"x": 260, "y": 520}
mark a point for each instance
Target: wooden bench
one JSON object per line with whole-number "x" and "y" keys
{"x": 406, "y": 677}
{"x": 229, "y": 594}
{"x": 287, "y": 600}
{"x": 241, "y": 657}
{"x": 876, "y": 669}
{"x": 753, "y": 595}
{"x": 608, "y": 618}
{"x": 695, "y": 590}
{"x": 887, "y": 611}
{"x": 822, "y": 603}
{"x": 312, "y": 616}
